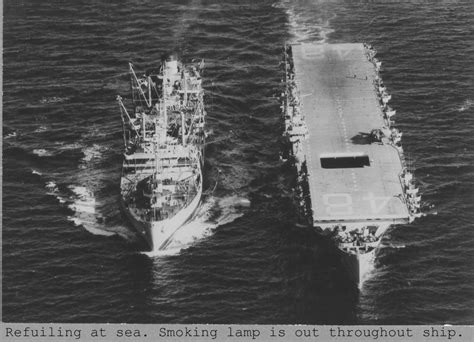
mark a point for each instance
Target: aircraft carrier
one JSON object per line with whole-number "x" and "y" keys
{"x": 354, "y": 181}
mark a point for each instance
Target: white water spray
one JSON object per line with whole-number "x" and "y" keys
{"x": 204, "y": 223}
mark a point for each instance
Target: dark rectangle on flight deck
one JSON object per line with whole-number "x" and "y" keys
{"x": 345, "y": 162}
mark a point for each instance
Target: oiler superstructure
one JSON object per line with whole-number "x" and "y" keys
{"x": 354, "y": 181}
{"x": 161, "y": 183}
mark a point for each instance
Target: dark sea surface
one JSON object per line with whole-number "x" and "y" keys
{"x": 68, "y": 255}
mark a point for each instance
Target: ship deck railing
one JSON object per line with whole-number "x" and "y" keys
{"x": 366, "y": 247}
{"x": 153, "y": 165}
{"x": 151, "y": 158}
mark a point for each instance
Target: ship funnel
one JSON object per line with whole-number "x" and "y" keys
{"x": 171, "y": 63}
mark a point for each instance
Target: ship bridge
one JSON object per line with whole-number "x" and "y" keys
{"x": 351, "y": 178}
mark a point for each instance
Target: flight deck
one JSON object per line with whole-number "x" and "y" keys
{"x": 351, "y": 178}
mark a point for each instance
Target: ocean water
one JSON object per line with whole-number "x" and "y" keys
{"x": 69, "y": 256}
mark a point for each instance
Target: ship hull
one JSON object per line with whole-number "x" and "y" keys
{"x": 161, "y": 184}
{"x": 158, "y": 234}
{"x": 357, "y": 266}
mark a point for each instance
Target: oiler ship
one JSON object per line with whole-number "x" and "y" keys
{"x": 161, "y": 183}
{"x": 354, "y": 181}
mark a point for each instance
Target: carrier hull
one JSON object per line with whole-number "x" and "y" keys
{"x": 357, "y": 265}
{"x": 353, "y": 178}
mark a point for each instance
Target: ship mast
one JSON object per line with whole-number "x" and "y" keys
{"x": 185, "y": 89}
{"x": 163, "y": 90}
{"x": 185, "y": 100}
{"x": 183, "y": 130}
{"x": 149, "y": 90}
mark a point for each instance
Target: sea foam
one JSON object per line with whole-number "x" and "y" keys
{"x": 84, "y": 205}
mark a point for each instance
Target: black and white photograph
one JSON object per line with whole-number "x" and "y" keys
{"x": 273, "y": 162}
